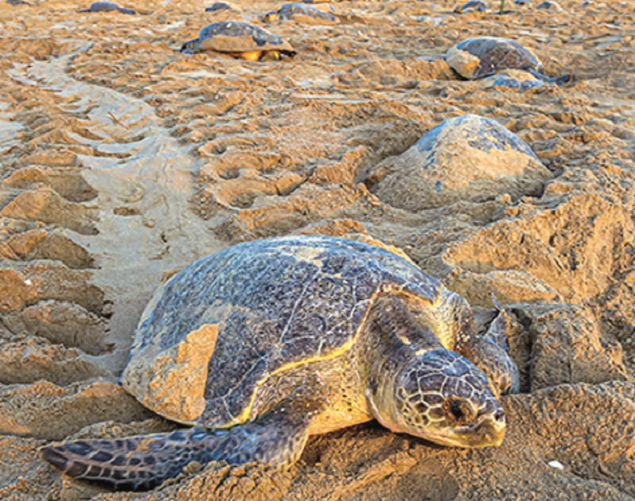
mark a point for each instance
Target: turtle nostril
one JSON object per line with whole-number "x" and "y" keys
{"x": 499, "y": 415}
{"x": 458, "y": 410}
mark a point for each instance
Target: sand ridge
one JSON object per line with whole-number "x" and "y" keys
{"x": 124, "y": 160}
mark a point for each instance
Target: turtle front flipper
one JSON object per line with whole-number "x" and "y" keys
{"x": 558, "y": 81}
{"x": 490, "y": 353}
{"x": 144, "y": 462}
{"x": 190, "y": 46}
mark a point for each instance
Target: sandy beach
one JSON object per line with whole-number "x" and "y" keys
{"x": 123, "y": 160}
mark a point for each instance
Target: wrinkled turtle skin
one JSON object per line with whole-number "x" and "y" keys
{"x": 483, "y": 56}
{"x": 107, "y": 7}
{"x": 300, "y": 12}
{"x": 238, "y": 39}
{"x": 268, "y": 342}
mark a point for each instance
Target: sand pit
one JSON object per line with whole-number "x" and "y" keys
{"x": 123, "y": 160}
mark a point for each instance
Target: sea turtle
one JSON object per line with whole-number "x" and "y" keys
{"x": 239, "y": 39}
{"x": 107, "y": 7}
{"x": 300, "y": 12}
{"x": 550, "y": 5}
{"x": 267, "y": 342}
{"x": 472, "y": 6}
{"x": 483, "y": 56}
{"x": 463, "y": 159}
{"x": 218, "y": 6}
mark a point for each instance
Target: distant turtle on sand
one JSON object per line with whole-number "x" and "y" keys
{"x": 472, "y": 6}
{"x": 268, "y": 342}
{"x": 550, "y": 5}
{"x": 17, "y": 2}
{"x": 463, "y": 159}
{"x": 240, "y": 40}
{"x": 301, "y": 13}
{"x": 483, "y": 56}
{"x": 218, "y": 6}
{"x": 514, "y": 79}
{"x": 107, "y": 7}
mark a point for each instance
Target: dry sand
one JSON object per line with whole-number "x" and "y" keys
{"x": 124, "y": 160}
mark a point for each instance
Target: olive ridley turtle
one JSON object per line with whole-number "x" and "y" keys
{"x": 267, "y": 342}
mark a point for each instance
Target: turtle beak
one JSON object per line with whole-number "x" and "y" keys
{"x": 487, "y": 433}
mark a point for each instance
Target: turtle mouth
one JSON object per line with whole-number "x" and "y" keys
{"x": 486, "y": 432}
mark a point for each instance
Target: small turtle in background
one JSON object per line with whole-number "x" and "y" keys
{"x": 483, "y": 56}
{"x": 107, "y": 7}
{"x": 268, "y": 342}
{"x": 219, "y": 6}
{"x": 240, "y": 40}
{"x": 300, "y": 13}
{"x": 15, "y": 3}
{"x": 522, "y": 2}
{"x": 550, "y": 5}
{"x": 472, "y": 6}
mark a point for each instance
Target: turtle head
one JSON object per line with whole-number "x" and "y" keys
{"x": 271, "y": 16}
{"x": 437, "y": 395}
{"x": 190, "y": 46}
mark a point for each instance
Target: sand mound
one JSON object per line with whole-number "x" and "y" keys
{"x": 123, "y": 160}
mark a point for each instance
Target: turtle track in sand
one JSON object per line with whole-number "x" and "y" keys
{"x": 92, "y": 222}
{"x": 131, "y": 166}
{"x": 356, "y": 94}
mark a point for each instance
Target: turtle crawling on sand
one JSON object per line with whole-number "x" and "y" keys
{"x": 300, "y": 12}
{"x": 218, "y": 6}
{"x": 268, "y": 342}
{"x": 472, "y": 6}
{"x": 240, "y": 40}
{"x": 107, "y": 7}
{"x": 550, "y": 5}
{"x": 483, "y": 56}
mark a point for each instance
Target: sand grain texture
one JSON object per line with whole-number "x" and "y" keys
{"x": 123, "y": 160}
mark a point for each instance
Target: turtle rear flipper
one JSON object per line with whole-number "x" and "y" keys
{"x": 144, "y": 462}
